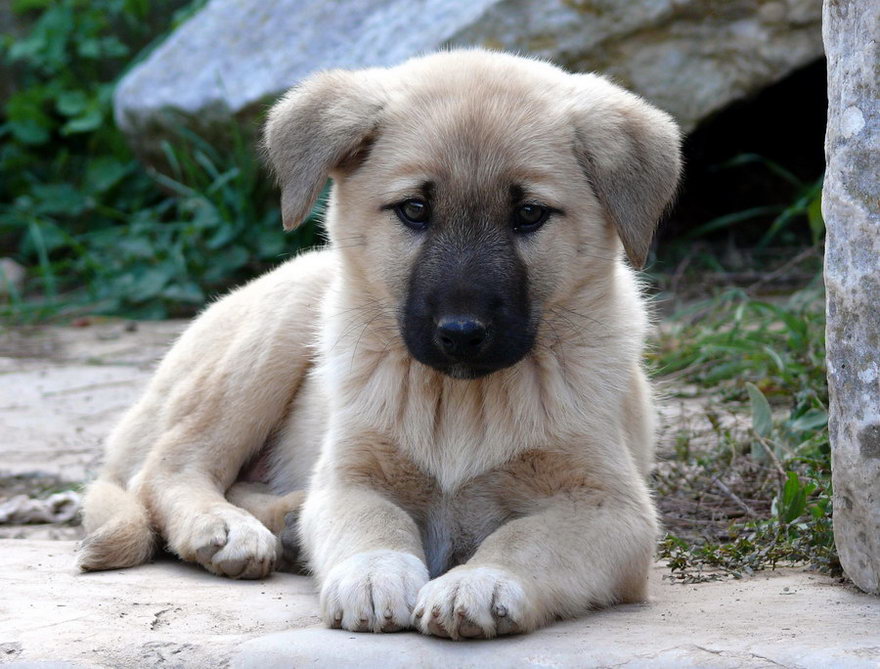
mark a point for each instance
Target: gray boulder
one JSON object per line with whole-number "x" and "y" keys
{"x": 690, "y": 57}
{"x": 852, "y": 278}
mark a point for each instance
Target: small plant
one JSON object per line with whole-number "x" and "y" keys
{"x": 100, "y": 232}
{"x": 764, "y": 361}
{"x": 806, "y": 205}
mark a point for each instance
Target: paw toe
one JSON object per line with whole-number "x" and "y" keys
{"x": 505, "y": 626}
{"x": 436, "y": 628}
{"x": 232, "y": 568}
{"x": 471, "y": 603}
{"x": 209, "y": 540}
{"x": 372, "y": 592}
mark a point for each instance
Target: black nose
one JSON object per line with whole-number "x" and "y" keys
{"x": 461, "y": 337}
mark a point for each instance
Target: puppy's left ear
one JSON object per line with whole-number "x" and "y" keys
{"x": 324, "y": 124}
{"x": 630, "y": 152}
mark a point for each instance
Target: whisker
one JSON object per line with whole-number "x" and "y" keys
{"x": 358, "y": 342}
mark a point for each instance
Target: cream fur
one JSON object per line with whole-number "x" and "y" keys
{"x": 531, "y": 480}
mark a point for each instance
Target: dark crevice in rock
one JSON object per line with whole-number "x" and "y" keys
{"x": 784, "y": 123}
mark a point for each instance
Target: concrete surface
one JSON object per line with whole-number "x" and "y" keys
{"x": 61, "y": 389}
{"x": 171, "y": 614}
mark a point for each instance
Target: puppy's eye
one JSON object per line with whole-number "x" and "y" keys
{"x": 529, "y": 217}
{"x": 414, "y": 214}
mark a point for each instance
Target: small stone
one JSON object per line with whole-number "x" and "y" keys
{"x": 11, "y": 276}
{"x": 773, "y": 12}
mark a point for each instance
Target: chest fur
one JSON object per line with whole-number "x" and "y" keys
{"x": 454, "y": 523}
{"x": 455, "y": 430}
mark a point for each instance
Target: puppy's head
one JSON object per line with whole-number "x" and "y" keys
{"x": 473, "y": 191}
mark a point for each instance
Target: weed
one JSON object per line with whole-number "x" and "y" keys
{"x": 101, "y": 232}
{"x": 805, "y": 206}
{"x": 757, "y": 493}
{"x": 715, "y": 343}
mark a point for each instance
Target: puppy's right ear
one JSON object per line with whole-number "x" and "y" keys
{"x": 321, "y": 125}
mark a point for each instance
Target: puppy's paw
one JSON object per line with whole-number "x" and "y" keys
{"x": 471, "y": 602}
{"x": 373, "y": 592}
{"x": 231, "y": 543}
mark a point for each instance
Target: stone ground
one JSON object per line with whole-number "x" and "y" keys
{"x": 61, "y": 390}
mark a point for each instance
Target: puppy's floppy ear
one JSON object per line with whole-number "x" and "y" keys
{"x": 630, "y": 153}
{"x": 323, "y": 124}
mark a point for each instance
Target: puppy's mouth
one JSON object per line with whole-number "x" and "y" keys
{"x": 465, "y": 372}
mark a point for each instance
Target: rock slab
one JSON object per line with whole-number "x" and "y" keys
{"x": 851, "y": 207}
{"x": 172, "y": 614}
{"x": 690, "y": 57}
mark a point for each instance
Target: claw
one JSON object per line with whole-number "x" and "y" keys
{"x": 233, "y": 568}
{"x": 206, "y": 552}
{"x": 470, "y": 630}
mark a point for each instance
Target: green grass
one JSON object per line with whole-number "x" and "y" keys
{"x": 98, "y": 231}
{"x": 160, "y": 246}
{"x": 768, "y": 484}
{"x": 805, "y": 205}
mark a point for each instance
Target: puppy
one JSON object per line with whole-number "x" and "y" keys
{"x": 456, "y": 380}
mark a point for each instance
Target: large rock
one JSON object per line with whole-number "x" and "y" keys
{"x": 851, "y": 206}
{"x": 690, "y": 57}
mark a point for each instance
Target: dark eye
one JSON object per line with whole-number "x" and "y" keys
{"x": 413, "y": 213}
{"x": 529, "y": 217}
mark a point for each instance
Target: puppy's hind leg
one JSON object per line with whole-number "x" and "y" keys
{"x": 195, "y": 462}
{"x": 216, "y": 398}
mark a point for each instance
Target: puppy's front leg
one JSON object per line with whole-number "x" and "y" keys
{"x": 366, "y": 553}
{"x": 582, "y": 547}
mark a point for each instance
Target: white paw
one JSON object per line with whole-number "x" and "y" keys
{"x": 373, "y": 592}
{"x": 473, "y": 603}
{"x": 232, "y": 543}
